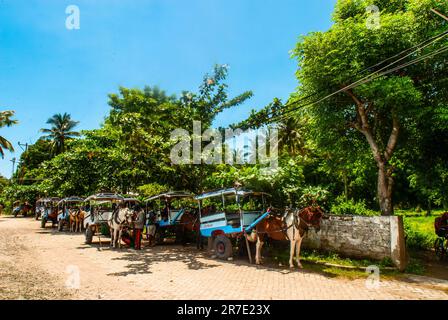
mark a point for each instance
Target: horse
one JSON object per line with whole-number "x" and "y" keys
{"x": 26, "y": 208}
{"x": 73, "y": 219}
{"x": 189, "y": 222}
{"x": 118, "y": 219}
{"x": 292, "y": 226}
{"x": 80, "y": 220}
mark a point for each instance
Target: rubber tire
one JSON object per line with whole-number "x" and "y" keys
{"x": 159, "y": 236}
{"x": 223, "y": 247}
{"x": 89, "y": 235}
{"x": 60, "y": 226}
{"x": 43, "y": 222}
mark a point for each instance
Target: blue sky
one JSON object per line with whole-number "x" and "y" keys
{"x": 46, "y": 68}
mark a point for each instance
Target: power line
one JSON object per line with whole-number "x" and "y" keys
{"x": 422, "y": 45}
{"x": 412, "y": 62}
{"x": 429, "y": 55}
{"x": 381, "y": 69}
{"x": 439, "y": 14}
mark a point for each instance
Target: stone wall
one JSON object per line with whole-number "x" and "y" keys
{"x": 361, "y": 237}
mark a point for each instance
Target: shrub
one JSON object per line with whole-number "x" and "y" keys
{"x": 314, "y": 195}
{"x": 152, "y": 189}
{"x": 417, "y": 239}
{"x": 351, "y": 207}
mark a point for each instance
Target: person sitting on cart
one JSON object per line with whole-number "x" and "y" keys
{"x": 165, "y": 212}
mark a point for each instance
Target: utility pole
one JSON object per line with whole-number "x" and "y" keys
{"x": 21, "y": 145}
{"x": 439, "y": 14}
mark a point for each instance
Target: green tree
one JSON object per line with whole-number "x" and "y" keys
{"x": 383, "y": 110}
{"x": 6, "y": 121}
{"x": 31, "y": 159}
{"x": 144, "y": 120}
{"x": 60, "y": 131}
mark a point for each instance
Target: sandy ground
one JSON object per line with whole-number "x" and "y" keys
{"x": 40, "y": 263}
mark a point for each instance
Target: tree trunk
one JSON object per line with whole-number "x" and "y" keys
{"x": 429, "y": 210}
{"x": 382, "y": 157}
{"x": 385, "y": 183}
{"x": 345, "y": 185}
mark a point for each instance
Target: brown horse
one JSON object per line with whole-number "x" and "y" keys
{"x": 80, "y": 220}
{"x": 73, "y": 220}
{"x": 292, "y": 226}
{"x": 189, "y": 223}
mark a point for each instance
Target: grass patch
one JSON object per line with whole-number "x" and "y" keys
{"x": 419, "y": 228}
{"x": 418, "y": 213}
{"x": 334, "y": 258}
{"x": 415, "y": 266}
{"x": 329, "y": 262}
{"x": 333, "y": 265}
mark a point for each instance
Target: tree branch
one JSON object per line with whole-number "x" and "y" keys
{"x": 364, "y": 127}
{"x": 393, "y": 138}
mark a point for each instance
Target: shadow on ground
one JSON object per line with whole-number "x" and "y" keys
{"x": 141, "y": 262}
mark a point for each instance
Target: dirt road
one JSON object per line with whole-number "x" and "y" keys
{"x": 40, "y": 263}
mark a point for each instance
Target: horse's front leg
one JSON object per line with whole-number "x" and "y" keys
{"x": 258, "y": 249}
{"x": 298, "y": 245}
{"x": 115, "y": 237}
{"x": 291, "y": 252}
{"x": 111, "y": 231}
{"x": 120, "y": 231}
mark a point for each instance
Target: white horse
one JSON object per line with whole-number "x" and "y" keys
{"x": 291, "y": 227}
{"x": 117, "y": 221}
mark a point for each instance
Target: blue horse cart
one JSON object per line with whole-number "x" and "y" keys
{"x": 165, "y": 211}
{"x": 64, "y": 207}
{"x": 227, "y": 215}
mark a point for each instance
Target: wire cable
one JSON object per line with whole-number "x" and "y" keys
{"x": 414, "y": 49}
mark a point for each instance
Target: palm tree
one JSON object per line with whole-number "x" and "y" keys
{"x": 6, "y": 121}
{"x": 61, "y": 130}
{"x": 291, "y": 137}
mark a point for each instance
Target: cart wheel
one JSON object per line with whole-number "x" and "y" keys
{"x": 180, "y": 235}
{"x": 89, "y": 235}
{"x": 223, "y": 247}
{"x": 159, "y": 236}
{"x": 43, "y": 222}
{"x": 439, "y": 248}
{"x": 60, "y": 225}
{"x": 199, "y": 241}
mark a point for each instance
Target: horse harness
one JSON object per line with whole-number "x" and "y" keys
{"x": 299, "y": 223}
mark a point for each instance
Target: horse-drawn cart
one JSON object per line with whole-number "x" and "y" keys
{"x": 227, "y": 215}
{"x": 67, "y": 207}
{"x": 166, "y": 211}
{"x": 20, "y": 207}
{"x": 130, "y": 201}
{"x": 99, "y": 209}
{"x": 49, "y": 211}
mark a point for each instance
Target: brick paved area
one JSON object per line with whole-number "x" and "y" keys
{"x": 175, "y": 272}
